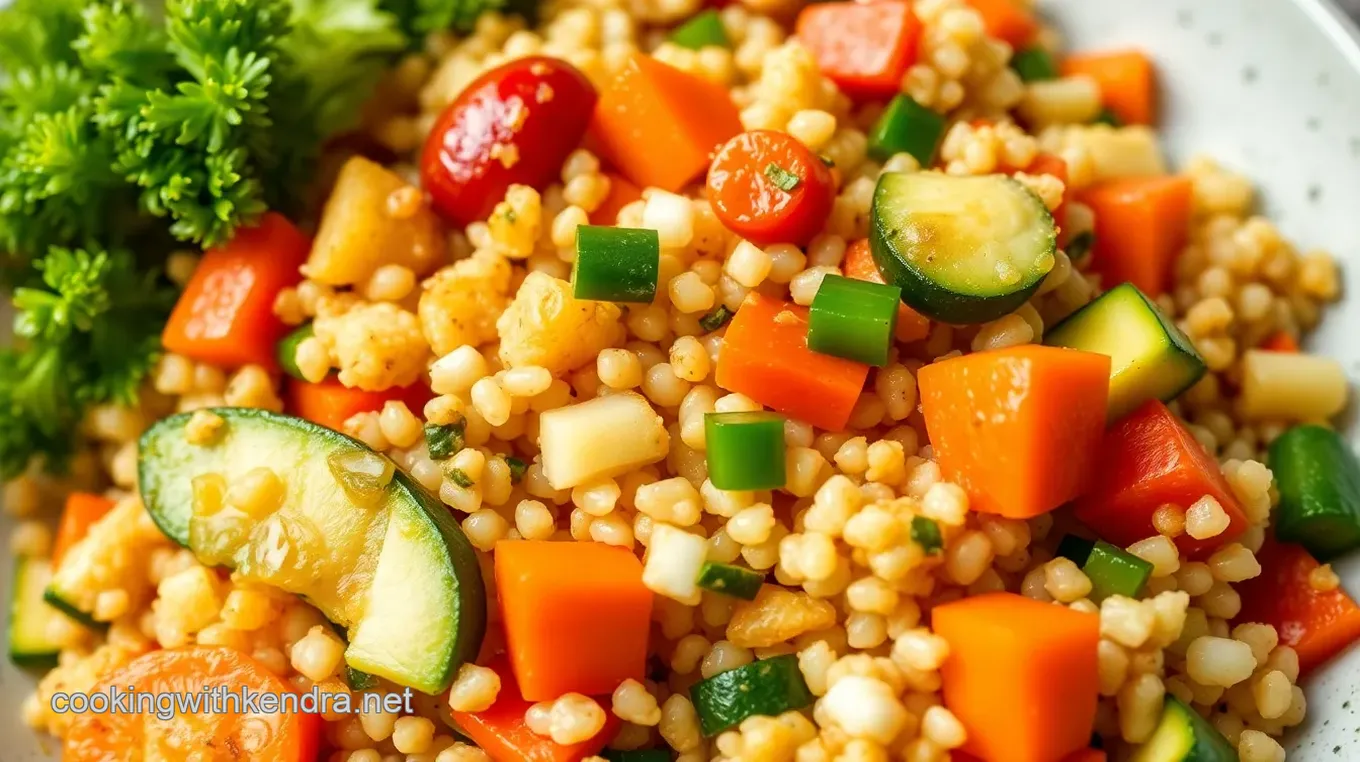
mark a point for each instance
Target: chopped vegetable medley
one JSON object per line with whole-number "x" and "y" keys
{"x": 635, "y": 382}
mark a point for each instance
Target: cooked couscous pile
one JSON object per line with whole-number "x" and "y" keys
{"x": 717, "y": 503}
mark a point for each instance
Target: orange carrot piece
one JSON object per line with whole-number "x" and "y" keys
{"x": 1006, "y": 20}
{"x": 1017, "y": 428}
{"x": 576, "y": 616}
{"x": 502, "y": 733}
{"x": 1141, "y": 226}
{"x": 622, "y": 192}
{"x": 1050, "y": 164}
{"x": 82, "y": 509}
{"x": 765, "y": 356}
{"x": 1149, "y": 459}
{"x": 226, "y": 314}
{"x": 1280, "y": 341}
{"x": 1008, "y": 652}
{"x": 859, "y": 264}
{"x": 330, "y": 403}
{"x": 250, "y": 735}
{"x": 659, "y": 125}
{"x": 1127, "y": 80}
{"x": 863, "y": 47}
{"x": 1316, "y": 624}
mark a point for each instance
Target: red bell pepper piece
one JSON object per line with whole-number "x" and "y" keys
{"x": 1316, "y": 624}
{"x": 1148, "y": 459}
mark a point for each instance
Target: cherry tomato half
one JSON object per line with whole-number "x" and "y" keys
{"x": 513, "y": 125}
{"x": 769, "y": 188}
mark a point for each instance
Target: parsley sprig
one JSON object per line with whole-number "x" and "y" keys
{"x": 124, "y": 131}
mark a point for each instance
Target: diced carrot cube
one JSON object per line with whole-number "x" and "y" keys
{"x": 1017, "y": 428}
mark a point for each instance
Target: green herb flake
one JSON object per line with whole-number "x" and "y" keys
{"x": 782, "y": 178}
{"x": 459, "y": 477}
{"x": 926, "y": 533}
{"x": 517, "y": 469}
{"x": 715, "y": 319}
{"x": 444, "y": 440}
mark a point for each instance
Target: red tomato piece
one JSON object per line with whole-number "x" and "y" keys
{"x": 1148, "y": 459}
{"x": 513, "y": 125}
{"x": 1316, "y": 624}
{"x": 769, "y": 188}
{"x": 502, "y": 733}
{"x": 330, "y": 403}
{"x": 864, "y": 47}
{"x": 226, "y": 314}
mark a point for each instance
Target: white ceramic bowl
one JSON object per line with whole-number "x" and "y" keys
{"x": 1268, "y": 87}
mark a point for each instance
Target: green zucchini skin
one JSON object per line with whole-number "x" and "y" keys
{"x": 768, "y": 687}
{"x": 29, "y": 614}
{"x": 910, "y": 254}
{"x": 1151, "y": 357}
{"x": 432, "y": 565}
{"x": 1184, "y": 736}
{"x": 735, "y": 581}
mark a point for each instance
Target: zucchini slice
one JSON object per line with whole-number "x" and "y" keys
{"x": 1184, "y": 736}
{"x": 963, "y": 249}
{"x": 30, "y": 617}
{"x": 359, "y": 539}
{"x": 1152, "y": 359}
{"x": 727, "y": 579}
{"x": 768, "y": 687}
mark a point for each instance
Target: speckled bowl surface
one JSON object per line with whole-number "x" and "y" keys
{"x": 1268, "y": 87}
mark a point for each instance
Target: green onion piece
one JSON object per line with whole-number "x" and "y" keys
{"x": 1034, "y": 65}
{"x": 360, "y": 681}
{"x": 443, "y": 440}
{"x": 926, "y": 533}
{"x": 745, "y": 450}
{"x": 730, "y": 580}
{"x": 1080, "y": 245}
{"x": 1115, "y": 571}
{"x": 716, "y": 319}
{"x": 701, "y": 31}
{"x": 636, "y": 755}
{"x": 517, "y": 469}
{"x": 459, "y": 476}
{"x": 616, "y": 264}
{"x": 853, "y": 319}
{"x": 1076, "y": 548}
{"x": 286, "y": 350}
{"x": 906, "y": 127}
{"x": 782, "y": 178}
{"x": 1107, "y": 116}
{"x": 765, "y": 688}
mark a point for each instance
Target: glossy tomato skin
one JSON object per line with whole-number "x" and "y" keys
{"x": 513, "y": 125}
{"x": 752, "y": 205}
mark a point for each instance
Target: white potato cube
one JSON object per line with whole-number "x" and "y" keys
{"x": 605, "y": 436}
